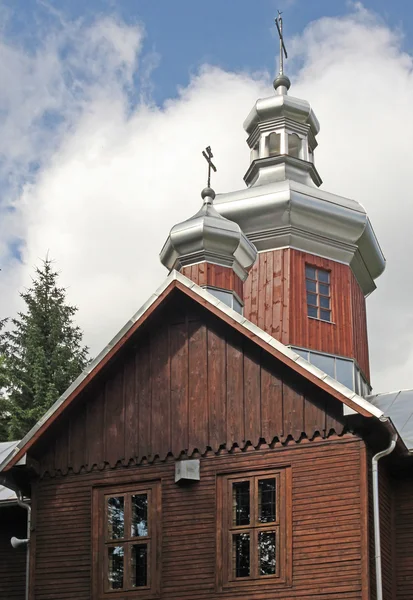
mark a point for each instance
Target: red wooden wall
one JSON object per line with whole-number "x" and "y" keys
{"x": 328, "y": 538}
{"x": 204, "y": 274}
{"x": 275, "y": 300}
{"x": 186, "y": 382}
{"x": 403, "y": 533}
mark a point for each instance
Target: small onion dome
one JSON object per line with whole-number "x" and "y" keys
{"x": 209, "y": 237}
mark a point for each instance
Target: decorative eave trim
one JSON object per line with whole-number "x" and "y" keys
{"x": 177, "y": 281}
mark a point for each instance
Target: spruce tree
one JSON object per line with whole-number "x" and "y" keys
{"x": 4, "y": 404}
{"x": 44, "y": 351}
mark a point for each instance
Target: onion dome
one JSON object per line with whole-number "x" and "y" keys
{"x": 209, "y": 237}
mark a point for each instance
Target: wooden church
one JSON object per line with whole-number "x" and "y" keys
{"x": 226, "y": 444}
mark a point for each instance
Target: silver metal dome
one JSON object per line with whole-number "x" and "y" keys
{"x": 209, "y": 237}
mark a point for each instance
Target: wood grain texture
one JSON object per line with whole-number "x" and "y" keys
{"x": 275, "y": 300}
{"x": 187, "y": 383}
{"x": 326, "y": 534}
{"x": 403, "y": 535}
{"x": 208, "y": 274}
{"x": 12, "y": 562}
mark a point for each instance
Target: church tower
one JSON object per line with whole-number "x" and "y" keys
{"x": 318, "y": 254}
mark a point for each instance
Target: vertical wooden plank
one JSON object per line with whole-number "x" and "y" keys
{"x": 161, "y": 390}
{"x": 286, "y": 283}
{"x": 198, "y": 393}
{"x": 293, "y": 403}
{"x": 277, "y": 312}
{"x": 314, "y": 416}
{"x": 114, "y": 416}
{"x": 253, "y": 315}
{"x": 364, "y": 524}
{"x": 271, "y": 402}
{"x": 62, "y": 448}
{"x": 268, "y": 292}
{"x": 217, "y": 400}
{"x": 235, "y": 391}
{"x": 95, "y": 427}
{"x": 78, "y": 446}
{"x": 144, "y": 396}
{"x": 262, "y": 269}
{"x": 131, "y": 408}
{"x": 252, "y": 395}
{"x": 178, "y": 334}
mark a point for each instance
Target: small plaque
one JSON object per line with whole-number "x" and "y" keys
{"x": 187, "y": 470}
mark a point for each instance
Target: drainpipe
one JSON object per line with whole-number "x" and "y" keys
{"x": 15, "y": 542}
{"x": 376, "y": 512}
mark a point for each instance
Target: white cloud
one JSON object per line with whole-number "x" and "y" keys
{"x": 113, "y": 181}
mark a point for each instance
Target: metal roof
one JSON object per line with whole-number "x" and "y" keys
{"x": 398, "y": 406}
{"x": 6, "y": 495}
{"x": 251, "y": 330}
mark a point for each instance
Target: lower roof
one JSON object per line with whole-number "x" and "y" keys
{"x": 398, "y": 406}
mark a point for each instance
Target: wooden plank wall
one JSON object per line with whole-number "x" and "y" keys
{"x": 327, "y": 530}
{"x": 204, "y": 274}
{"x": 403, "y": 517}
{"x": 188, "y": 383}
{"x": 12, "y": 562}
{"x": 275, "y": 300}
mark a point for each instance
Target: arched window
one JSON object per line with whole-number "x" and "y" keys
{"x": 294, "y": 145}
{"x": 274, "y": 144}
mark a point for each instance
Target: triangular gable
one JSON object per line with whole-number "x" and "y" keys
{"x": 176, "y": 281}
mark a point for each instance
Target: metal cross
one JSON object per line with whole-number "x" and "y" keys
{"x": 283, "y": 50}
{"x": 207, "y": 154}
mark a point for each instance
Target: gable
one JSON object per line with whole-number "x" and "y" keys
{"x": 185, "y": 382}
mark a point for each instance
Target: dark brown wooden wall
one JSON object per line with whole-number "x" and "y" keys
{"x": 403, "y": 530}
{"x": 188, "y": 383}
{"x": 204, "y": 274}
{"x": 275, "y": 300}
{"x": 12, "y": 562}
{"x": 328, "y": 524}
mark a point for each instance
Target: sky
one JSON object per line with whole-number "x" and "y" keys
{"x": 105, "y": 106}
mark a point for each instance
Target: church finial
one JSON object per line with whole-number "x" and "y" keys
{"x": 281, "y": 83}
{"x": 208, "y": 193}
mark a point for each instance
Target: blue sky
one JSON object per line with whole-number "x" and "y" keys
{"x": 184, "y": 34}
{"x": 105, "y": 106}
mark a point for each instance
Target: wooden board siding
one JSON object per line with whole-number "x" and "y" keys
{"x": 208, "y": 274}
{"x": 189, "y": 383}
{"x": 326, "y": 537}
{"x": 275, "y": 300}
{"x": 12, "y": 562}
{"x": 403, "y": 528}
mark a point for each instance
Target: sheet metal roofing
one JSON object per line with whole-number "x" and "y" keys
{"x": 208, "y": 298}
{"x": 6, "y": 495}
{"x": 398, "y": 406}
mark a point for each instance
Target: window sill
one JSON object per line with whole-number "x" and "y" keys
{"x": 321, "y": 320}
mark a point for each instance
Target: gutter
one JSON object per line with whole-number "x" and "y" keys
{"x": 376, "y": 508}
{"x": 15, "y": 542}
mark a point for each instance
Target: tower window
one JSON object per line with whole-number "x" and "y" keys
{"x": 274, "y": 144}
{"x": 294, "y": 145}
{"x": 317, "y": 285}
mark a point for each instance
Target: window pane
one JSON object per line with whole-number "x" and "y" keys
{"x": 323, "y": 276}
{"x": 310, "y": 272}
{"x": 139, "y": 526}
{"x": 274, "y": 144}
{"x": 312, "y": 299}
{"x": 325, "y": 363}
{"x": 241, "y": 502}
{"x": 115, "y": 575}
{"x": 241, "y": 554}
{"x": 294, "y": 145}
{"x": 139, "y": 572}
{"x": 116, "y": 518}
{"x": 266, "y": 500}
{"x": 325, "y": 315}
{"x": 310, "y": 286}
{"x": 324, "y": 302}
{"x": 312, "y": 311}
{"x": 266, "y": 552}
{"x": 344, "y": 372}
{"x": 324, "y": 289}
